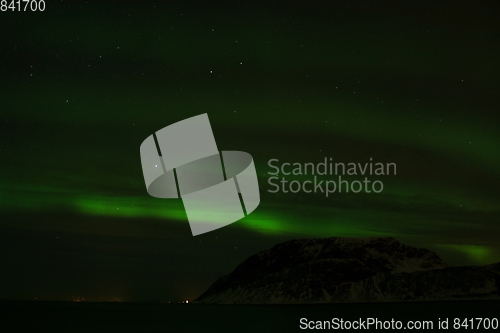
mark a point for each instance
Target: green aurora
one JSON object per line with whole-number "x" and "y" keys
{"x": 84, "y": 85}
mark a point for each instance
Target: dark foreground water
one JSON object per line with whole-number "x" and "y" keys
{"x": 158, "y": 317}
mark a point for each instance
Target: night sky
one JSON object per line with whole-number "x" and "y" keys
{"x": 84, "y": 83}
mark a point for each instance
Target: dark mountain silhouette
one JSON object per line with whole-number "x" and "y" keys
{"x": 342, "y": 269}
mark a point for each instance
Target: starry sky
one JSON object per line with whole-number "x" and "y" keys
{"x": 84, "y": 83}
